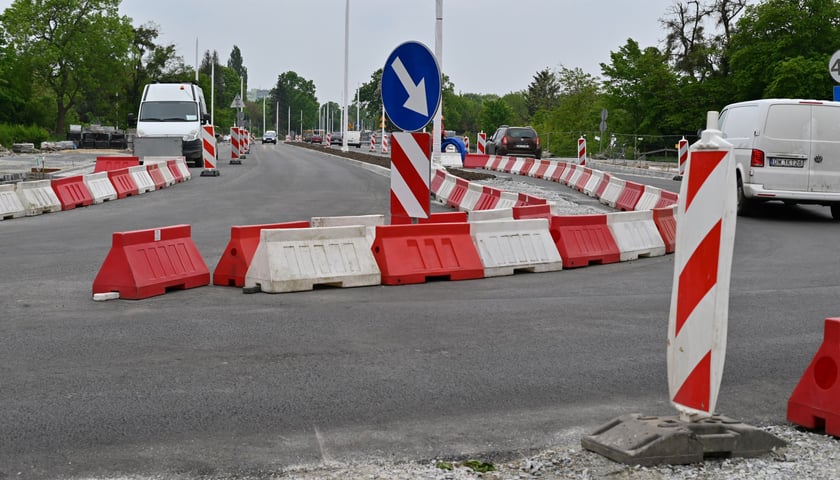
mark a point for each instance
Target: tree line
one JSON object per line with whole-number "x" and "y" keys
{"x": 80, "y": 61}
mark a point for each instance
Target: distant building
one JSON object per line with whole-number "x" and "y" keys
{"x": 256, "y": 94}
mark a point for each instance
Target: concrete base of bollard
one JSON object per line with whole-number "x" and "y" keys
{"x": 635, "y": 439}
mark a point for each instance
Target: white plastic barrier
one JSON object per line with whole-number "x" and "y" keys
{"x": 508, "y": 200}
{"x": 368, "y": 221}
{"x": 100, "y": 187}
{"x": 10, "y": 204}
{"x": 508, "y": 246}
{"x": 591, "y": 186}
{"x": 181, "y": 162}
{"x": 37, "y": 197}
{"x": 570, "y": 170}
{"x": 650, "y": 197}
{"x": 489, "y": 162}
{"x": 636, "y": 234}
{"x": 518, "y": 163}
{"x": 474, "y": 191}
{"x": 297, "y": 259}
{"x": 551, "y": 170}
{"x": 537, "y": 165}
{"x": 613, "y": 191}
{"x": 576, "y": 176}
{"x": 161, "y": 162}
{"x": 446, "y": 188}
{"x": 142, "y": 178}
{"x": 487, "y": 215}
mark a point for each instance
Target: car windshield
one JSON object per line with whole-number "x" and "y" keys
{"x": 168, "y": 112}
{"x": 521, "y": 132}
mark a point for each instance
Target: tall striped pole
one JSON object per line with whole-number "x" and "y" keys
{"x": 705, "y": 241}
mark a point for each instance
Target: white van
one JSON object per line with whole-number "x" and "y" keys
{"x": 174, "y": 110}
{"x": 785, "y": 150}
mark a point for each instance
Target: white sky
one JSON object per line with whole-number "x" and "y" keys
{"x": 489, "y": 46}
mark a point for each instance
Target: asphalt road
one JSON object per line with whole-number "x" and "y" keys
{"x": 213, "y": 382}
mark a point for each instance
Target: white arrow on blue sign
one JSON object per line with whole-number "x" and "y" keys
{"x": 411, "y": 86}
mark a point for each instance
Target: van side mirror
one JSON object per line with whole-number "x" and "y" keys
{"x": 132, "y": 120}
{"x": 205, "y": 118}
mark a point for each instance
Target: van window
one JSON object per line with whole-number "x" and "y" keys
{"x": 739, "y": 122}
{"x": 788, "y": 122}
{"x": 826, "y": 126}
{"x": 168, "y": 112}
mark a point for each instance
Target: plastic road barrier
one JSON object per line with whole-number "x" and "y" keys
{"x": 496, "y": 161}
{"x": 181, "y": 163}
{"x": 592, "y": 184}
{"x": 532, "y": 211}
{"x": 458, "y": 193}
{"x": 542, "y": 167}
{"x": 234, "y": 263}
{"x": 446, "y": 188}
{"x": 666, "y": 222}
{"x": 146, "y": 263}
{"x": 580, "y": 183}
{"x": 489, "y": 198}
{"x": 101, "y": 188}
{"x": 629, "y": 196}
{"x": 10, "y": 204}
{"x": 413, "y": 253}
{"x": 599, "y": 192}
{"x": 173, "y": 167}
{"x": 508, "y": 246}
{"x": 488, "y": 215}
{"x": 636, "y": 235}
{"x": 649, "y": 199}
{"x": 576, "y": 176}
{"x": 568, "y": 172}
{"x": 584, "y": 240}
{"x": 156, "y": 175}
{"x": 612, "y": 192}
{"x": 667, "y": 199}
{"x": 141, "y": 177}
{"x": 437, "y": 182}
{"x": 370, "y": 222}
{"x": 551, "y": 170}
{"x": 814, "y": 402}
{"x": 507, "y": 164}
{"x": 72, "y": 192}
{"x": 37, "y": 197}
{"x": 507, "y": 200}
{"x": 297, "y": 259}
{"x": 106, "y": 164}
{"x": 474, "y": 160}
{"x": 123, "y": 183}
{"x": 471, "y": 198}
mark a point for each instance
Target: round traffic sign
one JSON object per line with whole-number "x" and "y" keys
{"x": 411, "y": 86}
{"x": 834, "y": 66}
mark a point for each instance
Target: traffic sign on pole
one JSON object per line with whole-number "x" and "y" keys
{"x": 411, "y": 86}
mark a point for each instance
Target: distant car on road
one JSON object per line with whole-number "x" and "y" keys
{"x": 316, "y": 138}
{"x": 515, "y": 141}
{"x": 335, "y": 138}
{"x": 270, "y": 136}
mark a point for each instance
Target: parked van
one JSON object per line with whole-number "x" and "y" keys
{"x": 174, "y": 110}
{"x": 786, "y": 150}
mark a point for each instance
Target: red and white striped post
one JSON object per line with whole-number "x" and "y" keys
{"x": 682, "y": 149}
{"x": 385, "y": 143}
{"x": 208, "y": 142}
{"x": 702, "y": 266}
{"x": 481, "y": 143}
{"x": 234, "y": 145}
{"x": 411, "y": 161}
{"x": 372, "y": 142}
{"x": 581, "y": 151}
{"x": 467, "y": 143}
{"x": 329, "y": 139}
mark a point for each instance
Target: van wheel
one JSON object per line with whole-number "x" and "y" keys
{"x": 835, "y": 211}
{"x": 745, "y": 205}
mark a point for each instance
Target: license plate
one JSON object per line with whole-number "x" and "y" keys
{"x": 787, "y": 162}
{"x": 522, "y": 145}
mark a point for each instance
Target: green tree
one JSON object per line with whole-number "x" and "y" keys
{"x": 236, "y": 62}
{"x": 769, "y": 38}
{"x": 542, "y": 92}
{"x": 495, "y": 113}
{"x": 72, "y": 46}
{"x": 295, "y": 94}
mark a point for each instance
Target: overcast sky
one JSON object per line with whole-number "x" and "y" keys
{"x": 489, "y": 46}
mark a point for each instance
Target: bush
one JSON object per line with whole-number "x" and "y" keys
{"x": 10, "y": 134}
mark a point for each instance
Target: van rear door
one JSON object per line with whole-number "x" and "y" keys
{"x": 825, "y": 148}
{"x": 787, "y": 147}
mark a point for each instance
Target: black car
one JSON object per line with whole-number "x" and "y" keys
{"x": 515, "y": 141}
{"x": 335, "y": 138}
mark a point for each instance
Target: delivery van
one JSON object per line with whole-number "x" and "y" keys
{"x": 785, "y": 150}
{"x": 174, "y": 110}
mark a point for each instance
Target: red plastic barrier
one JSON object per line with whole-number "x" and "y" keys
{"x": 475, "y": 160}
{"x": 568, "y": 173}
{"x": 72, "y": 192}
{"x": 457, "y": 195}
{"x": 583, "y": 240}
{"x": 145, "y": 263}
{"x": 603, "y": 185}
{"x": 489, "y": 199}
{"x": 496, "y": 161}
{"x": 542, "y": 168}
{"x": 176, "y": 172}
{"x": 532, "y": 211}
{"x": 234, "y": 263}
{"x": 157, "y": 176}
{"x": 525, "y": 199}
{"x": 667, "y": 199}
{"x": 584, "y": 177}
{"x": 441, "y": 217}
{"x": 123, "y": 183}
{"x": 558, "y": 172}
{"x": 630, "y": 196}
{"x": 509, "y": 165}
{"x": 666, "y": 223}
{"x": 413, "y": 253}
{"x": 106, "y": 164}
{"x": 437, "y": 181}
{"x": 526, "y": 167}
{"x": 814, "y": 402}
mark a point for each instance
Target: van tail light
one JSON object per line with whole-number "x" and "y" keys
{"x": 757, "y": 158}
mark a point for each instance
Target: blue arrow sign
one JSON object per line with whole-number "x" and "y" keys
{"x": 411, "y": 86}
